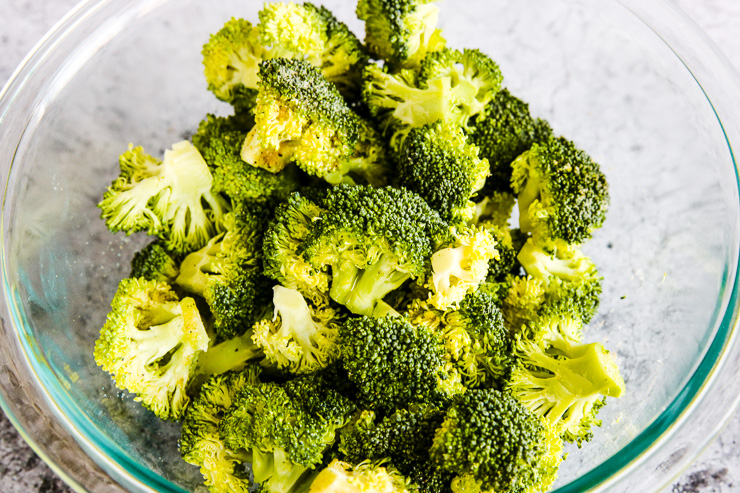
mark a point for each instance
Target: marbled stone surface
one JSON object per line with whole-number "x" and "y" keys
{"x": 24, "y": 22}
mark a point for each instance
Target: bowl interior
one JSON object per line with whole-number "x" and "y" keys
{"x": 601, "y": 77}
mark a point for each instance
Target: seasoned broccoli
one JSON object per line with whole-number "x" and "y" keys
{"x": 401, "y": 32}
{"x": 504, "y": 130}
{"x": 393, "y": 363}
{"x": 150, "y": 344}
{"x": 562, "y": 192}
{"x": 227, "y": 272}
{"x": 200, "y": 441}
{"x": 438, "y": 163}
{"x": 521, "y": 453}
{"x": 165, "y": 198}
{"x": 155, "y": 263}
{"x": 298, "y": 338}
{"x": 220, "y": 141}
{"x": 365, "y": 477}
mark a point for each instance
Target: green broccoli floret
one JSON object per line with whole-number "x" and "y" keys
{"x": 365, "y": 477}
{"x": 200, "y": 440}
{"x": 220, "y": 141}
{"x": 504, "y": 130}
{"x": 318, "y": 36}
{"x": 563, "y": 381}
{"x": 171, "y": 199}
{"x": 150, "y": 345}
{"x": 155, "y": 263}
{"x": 373, "y": 240}
{"x": 562, "y": 192}
{"x": 522, "y": 299}
{"x": 369, "y": 164}
{"x": 401, "y": 32}
{"x": 506, "y": 263}
{"x": 227, "y": 272}
{"x": 299, "y": 338}
{"x": 403, "y": 438}
{"x": 300, "y": 117}
{"x": 393, "y": 363}
{"x": 438, "y": 163}
{"x": 491, "y": 441}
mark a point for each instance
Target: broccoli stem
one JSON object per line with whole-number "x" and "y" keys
{"x": 276, "y": 468}
{"x": 359, "y": 290}
{"x": 231, "y": 354}
{"x": 528, "y": 195}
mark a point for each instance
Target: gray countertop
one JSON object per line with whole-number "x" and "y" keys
{"x": 24, "y": 22}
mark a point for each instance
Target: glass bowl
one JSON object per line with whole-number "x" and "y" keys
{"x": 633, "y": 82}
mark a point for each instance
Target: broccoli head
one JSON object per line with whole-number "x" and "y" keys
{"x": 562, "y": 193}
{"x": 365, "y": 477}
{"x": 171, "y": 199}
{"x": 522, "y": 298}
{"x": 155, "y": 263}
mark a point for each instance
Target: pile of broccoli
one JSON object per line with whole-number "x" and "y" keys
{"x": 335, "y": 298}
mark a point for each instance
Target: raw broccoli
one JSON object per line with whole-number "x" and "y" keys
{"x": 155, "y": 263}
{"x": 459, "y": 268}
{"x": 401, "y": 32}
{"x": 563, "y": 381}
{"x": 150, "y": 344}
{"x": 438, "y": 163}
{"x": 201, "y": 444}
{"x": 504, "y": 130}
{"x": 220, "y": 141}
{"x": 227, "y": 272}
{"x": 369, "y": 164}
{"x": 300, "y": 117}
{"x": 495, "y": 444}
{"x": 521, "y": 300}
{"x": 299, "y": 338}
{"x": 171, "y": 199}
{"x": 494, "y": 209}
{"x": 506, "y": 263}
{"x": 393, "y": 363}
{"x": 365, "y": 477}
{"x": 562, "y": 193}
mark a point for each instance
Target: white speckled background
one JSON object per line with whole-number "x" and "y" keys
{"x": 24, "y": 22}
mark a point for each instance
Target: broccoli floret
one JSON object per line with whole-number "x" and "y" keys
{"x": 506, "y": 263}
{"x": 373, "y": 239}
{"x": 220, "y": 140}
{"x": 393, "y": 363}
{"x": 200, "y": 440}
{"x": 150, "y": 344}
{"x": 300, "y": 117}
{"x": 365, "y": 477}
{"x": 401, "y": 32}
{"x": 562, "y": 192}
{"x": 563, "y": 381}
{"x": 165, "y": 198}
{"x": 227, "y": 272}
{"x": 521, "y": 301}
{"x": 504, "y": 130}
{"x": 521, "y": 453}
{"x": 438, "y": 163}
{"x": 229, "y": 355}
{"x": 369, "y": 164}
{"x": 459, "y": 268}
{"x": 155, "y": 263}
{"x": 298, "y": 338}
{"x": 318, "y": 36}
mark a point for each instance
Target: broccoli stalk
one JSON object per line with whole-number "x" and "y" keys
{"x": 365, "y": 477}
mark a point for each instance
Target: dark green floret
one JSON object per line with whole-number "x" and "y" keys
{"x": 155, "y": 263}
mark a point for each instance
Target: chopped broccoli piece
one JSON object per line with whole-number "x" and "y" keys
{"x": 165, "y": 198}
{"x": 506, "y": 263}
{"x": 494, "y": 209}
{"x": 369, "y": 164}
{"x": 401, "y": 32}
{"x": 231, "y": 354}
{"x": 522, "y": 299}
{"x": 150, "y": 344}
{"x": 298, "y": 338}
{"x": 155, "y": 263}
{"x": 365, "y": 477}
{"x": 438, "y": 163}
{"x": 521, "y": 453}
{"x": 562, "y": 192}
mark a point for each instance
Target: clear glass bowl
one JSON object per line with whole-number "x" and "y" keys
{"x": 633, "y": 82}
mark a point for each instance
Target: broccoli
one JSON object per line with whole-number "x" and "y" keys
{"x": 300, "y": 117}
{"x": 150, "y": 344}
{"x": 227, "y": 272}
{"x": 220, "y": 140}
{"x": 459, "y": 268}
{"x": 155, "y": 263}
{"x": 562, "y": 193}
{"x": 563, "y": 381}
{"x": 438, "y": 163}
{"x": 493, "y": 443}
{"x": 401, "y": 32}
{"x": 522, "y": 298}
{"x": 393, "y": 363}
{"x": 165, "y": 198}
{"x": 506, "y": 263}
{"x": 365, "y": 477}
{"x": 298, "y": 338}
{"x": 494, "y": 209}
{"x": 200, "y": 441}
{"x": 504, "y": 130}
{"x": 369, "y": 164}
